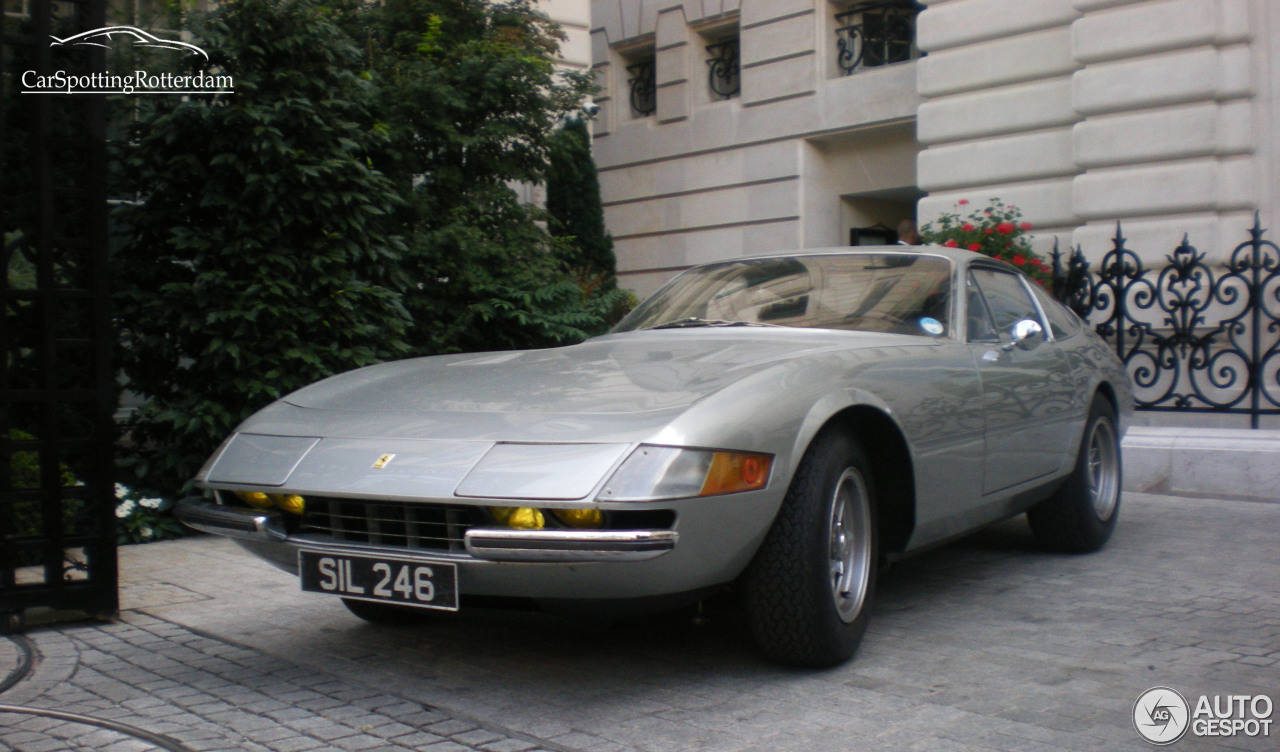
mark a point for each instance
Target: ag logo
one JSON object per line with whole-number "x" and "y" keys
{"x": 1160, "y": 715}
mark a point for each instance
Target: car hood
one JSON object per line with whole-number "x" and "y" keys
{"x": 633, "y": 372}
{"x": 542, "y": 424}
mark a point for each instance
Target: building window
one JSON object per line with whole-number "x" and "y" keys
{"x": 644, "y": 87}
{"x": 725, "y": 74}
{"x": 871, "y": 34}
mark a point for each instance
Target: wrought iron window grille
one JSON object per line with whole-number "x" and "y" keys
{"x": 725, "y": 74}
{"x": 871, "y": 34}
{"x": 644, "y": 87}
{"x": 1196, "y": 338}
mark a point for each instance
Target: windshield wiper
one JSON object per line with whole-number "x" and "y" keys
{"x": 693, "y": 321}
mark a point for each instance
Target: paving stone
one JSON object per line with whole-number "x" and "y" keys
{"x": 986, "y": 644}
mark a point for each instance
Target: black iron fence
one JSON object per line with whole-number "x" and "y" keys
{"x": 57, "y": 501}
{"x": 1196, "y": 337}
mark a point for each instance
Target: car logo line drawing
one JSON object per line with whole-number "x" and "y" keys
{"x": 95, "y": 37}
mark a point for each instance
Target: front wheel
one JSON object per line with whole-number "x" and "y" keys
{"x": 810, "y": 587}
{"x": 1081, "y": 515}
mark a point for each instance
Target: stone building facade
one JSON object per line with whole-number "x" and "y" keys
{"x": 1160, "y": 113}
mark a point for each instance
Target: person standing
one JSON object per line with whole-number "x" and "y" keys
{"x": 907, "y": 233}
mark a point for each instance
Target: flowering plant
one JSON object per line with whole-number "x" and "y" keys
{"x": 142, "y": 520}
{"x": 997, "y": 231}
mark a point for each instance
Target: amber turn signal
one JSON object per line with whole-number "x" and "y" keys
{"x": 734, "y": 472}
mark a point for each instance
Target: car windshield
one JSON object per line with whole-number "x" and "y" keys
{"x": 904, "y": 293}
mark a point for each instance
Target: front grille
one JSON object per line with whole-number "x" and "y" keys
{"x": 398, "y": 524}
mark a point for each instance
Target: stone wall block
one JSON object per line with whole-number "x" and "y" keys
{"x": 1175, "y": 133}
{"x": 778, "y": 79}
{"x": 1085, "y": 6}
{"x": 948, "y": 25}
{"x": 777, "y": 39}
{"x": 1144, "y": 29}
{"x": 758, "y": 11}
{"x": 1047, "y": 203}
{"x": 1183, "y": 187}
{"x": 1034, "y": 156}
{"x": 1028, "y": 57}
{"x": 1003, "y": 110}
{"x": 729, "y": 206}
{"x": 606, "y": 17}
{"x": 671, "y": 61}
{"x": 1201, "y": 74}
{"x": 1213, "y": 234}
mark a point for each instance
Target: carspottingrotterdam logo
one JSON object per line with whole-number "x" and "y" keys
{"x": 1160, "y": 715}
{"x": 60, "y": 81}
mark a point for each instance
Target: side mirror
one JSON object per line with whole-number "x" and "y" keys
{"x": 1027, "y": 335}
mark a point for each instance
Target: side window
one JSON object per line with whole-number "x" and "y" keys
{"x": 978, "y": 317}
{"x": 1063, "y": 322}
{"x": 1006, "y": 298}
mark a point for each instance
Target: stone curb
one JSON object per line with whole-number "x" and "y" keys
{"x": 1218, "y": 463}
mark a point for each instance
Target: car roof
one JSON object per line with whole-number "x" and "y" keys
{"x": 955, "y": 254}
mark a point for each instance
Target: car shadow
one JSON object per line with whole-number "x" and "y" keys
{"x": 712, "y": 635}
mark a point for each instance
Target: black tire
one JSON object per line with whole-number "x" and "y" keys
{"x": 1081, "y": 515}
{"x": 387, "y": 613}
{"x": 810, "y": 588}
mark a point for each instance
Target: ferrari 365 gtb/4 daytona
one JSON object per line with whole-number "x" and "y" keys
{"x": 782, "y": 422}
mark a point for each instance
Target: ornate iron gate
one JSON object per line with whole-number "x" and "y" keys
{"x": 1197, "y": 338}
{"x": 57, "y": 536}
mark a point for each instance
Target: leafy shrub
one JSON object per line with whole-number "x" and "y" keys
{"x": 141, "y": 519}
{"x": 351, "y": 202}
{"x": 258, "y": 258}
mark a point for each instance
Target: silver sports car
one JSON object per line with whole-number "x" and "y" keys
{"x": 784, "y": 423}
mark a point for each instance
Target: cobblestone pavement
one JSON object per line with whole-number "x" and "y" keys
{"x": 986, "y": 644}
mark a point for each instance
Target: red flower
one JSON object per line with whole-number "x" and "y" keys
{"x": 1005, "y": 228}
{"x": 987, "y": 230}
{"x": 967, "y": 227}
{"x": 1019, "y": 259}
{"x": 1025, "y": 225}
{"x": 951, "y": 244}
{"x": 975, "y": 246}
{"x": 963, "y": 202}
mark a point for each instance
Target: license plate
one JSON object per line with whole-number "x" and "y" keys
{"x": 383, "y": 579}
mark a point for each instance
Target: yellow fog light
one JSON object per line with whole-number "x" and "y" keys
{"x": 291, "y": 503}
{"x": 255, "y": 498}
{"x": 580, "y": 518}
{"x": 519, "y": 518}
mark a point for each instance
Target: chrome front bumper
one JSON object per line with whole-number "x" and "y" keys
{"x": 484, "y": 544}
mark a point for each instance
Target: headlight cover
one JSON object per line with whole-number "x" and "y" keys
{"x": 653, "y": 473}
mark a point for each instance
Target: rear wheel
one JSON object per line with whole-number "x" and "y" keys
{"x": 1081, "y": 515}
{"x": 810, "y": 588}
